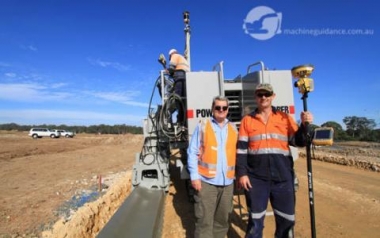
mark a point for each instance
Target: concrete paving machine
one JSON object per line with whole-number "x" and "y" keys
{"x": 141, "y": 213}
{"x": 163, "y": 135}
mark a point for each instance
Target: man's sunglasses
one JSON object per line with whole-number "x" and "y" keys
{"x": 260, "y": 95}
{"x": 218, "y": 108}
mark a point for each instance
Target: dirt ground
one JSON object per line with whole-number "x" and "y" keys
{"x": 91, "y": 173}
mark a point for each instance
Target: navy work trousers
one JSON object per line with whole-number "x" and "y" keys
{"x": 180, "y": 82}
{"x": 282, "y": 198}
{"x": 180, "y": 89}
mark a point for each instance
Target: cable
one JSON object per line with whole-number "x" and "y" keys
{"x": 165, "y": 120}
{"x": 162, "y": 123}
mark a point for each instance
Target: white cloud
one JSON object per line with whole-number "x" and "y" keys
{"x": 38, "y": 93}
{"x": 3, "y": 64}
{"x": 58, "y": 85}
{"x": 29, "y": 93}
{"x": 124, "y": 98}
{"x": 29, "y": 47}
{"x": 32, "y": 48}
{"x": 10, "y": 75}
{"x": 105, "y": 64}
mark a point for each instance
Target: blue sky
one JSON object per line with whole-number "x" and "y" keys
{"x": 95, "y": 62}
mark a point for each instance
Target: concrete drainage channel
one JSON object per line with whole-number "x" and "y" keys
{"x": 140, "y": 215}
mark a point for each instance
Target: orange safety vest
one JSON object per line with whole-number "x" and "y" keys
{"x": 178, "y": 62}
{"x": 208, "y": 156}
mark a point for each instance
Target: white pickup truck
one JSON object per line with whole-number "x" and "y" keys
{"x": 67, "y": 134}
{"x": 43, "y": 132}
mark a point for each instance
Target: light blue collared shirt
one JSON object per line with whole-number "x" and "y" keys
{"x": 221, "y": 134}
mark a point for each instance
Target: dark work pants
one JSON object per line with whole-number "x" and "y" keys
{"x": 212, "y": 207}
{"x": 180, "y": 87}
{"x": 282, "y": 198}
{"x": 180, "y": 90}
{"x": 180, "y": 82}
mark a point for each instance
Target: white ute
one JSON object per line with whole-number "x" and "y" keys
{"x": 67, "y": 134}
{"x": 43, "y": 132}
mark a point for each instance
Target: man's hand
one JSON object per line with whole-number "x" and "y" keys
{"x": 197, "y": 185}
{"x": 306, "y": 117}
{"x": 244, "y": 182}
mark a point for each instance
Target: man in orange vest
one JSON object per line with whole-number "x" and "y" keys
{"x": 211, "y": 164}
{"x": 265, "y": 165}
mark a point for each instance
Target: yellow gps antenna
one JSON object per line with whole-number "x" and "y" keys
{"x": 305, "y": 85}
{"x": 302, "y": 73}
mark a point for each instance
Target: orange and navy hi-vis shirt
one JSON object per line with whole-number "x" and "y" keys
{"x": 263, "y": 149}
{"x": 178, "y": 62}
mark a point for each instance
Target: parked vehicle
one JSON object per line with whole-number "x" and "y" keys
{"x": 43, "y": 132}
{"x": 67, "y": 134}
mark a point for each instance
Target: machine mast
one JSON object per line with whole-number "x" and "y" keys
{"x": 186, "y": 20}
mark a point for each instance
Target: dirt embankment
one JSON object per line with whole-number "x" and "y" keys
{"x": 46, "y": 180}
{"x": 89, "y": 219}
{"x": 362, "y": 155}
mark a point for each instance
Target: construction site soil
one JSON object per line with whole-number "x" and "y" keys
{"x": 71, "y": 187}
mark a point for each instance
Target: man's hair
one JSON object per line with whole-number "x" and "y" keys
{"x": 219, "y": 98}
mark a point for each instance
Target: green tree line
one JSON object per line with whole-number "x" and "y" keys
{"x": 92, "y": 129}
{"x": 357, "y": 128}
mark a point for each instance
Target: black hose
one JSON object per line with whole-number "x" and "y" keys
{"x": 166, "y": 113}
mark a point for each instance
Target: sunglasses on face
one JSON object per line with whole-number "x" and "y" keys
{"x": 260, "y": 95}
{"x": 223, "y": 108}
